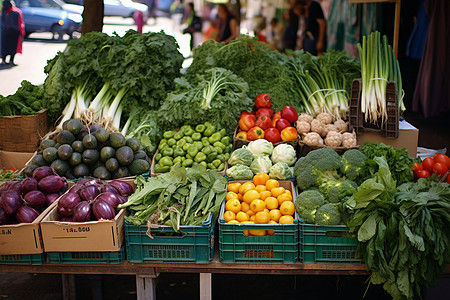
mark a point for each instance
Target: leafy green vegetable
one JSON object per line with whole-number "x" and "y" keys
{"x": 27, "y": 100}
{"x": 179, "y": 197}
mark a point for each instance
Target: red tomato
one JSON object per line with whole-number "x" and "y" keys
{"x": 442, "y": 158}
{"x": 262, "y": 100}
{"x": 423, "y": 174}
{"x": 245, "y": 113}
{"x": 275, "y": 118}
{"x": 272, "y": 135}
{"x": 289, "y": 134}
{"x": 247, "y": 122}
{"x": 264, "y": 122}
{"x": 289, "y": 113}
{"x": 416, "y": 167}
{"x": 264, "y": 111}
{"x": 255, "y": 133}
{"x": 282, "y": 124}
{"x": 428, "y": 163}
{"x": 440, "y": 169}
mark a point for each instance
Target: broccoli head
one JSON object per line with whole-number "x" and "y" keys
{"x": 316, "y": 167}
{"x": 354, "y": 165}
{"x": 306, "y": 204}
{"x": 328, "y": 214}
{"x": 336, "y": 190}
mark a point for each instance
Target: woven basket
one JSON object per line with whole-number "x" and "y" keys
{"x": 23, "y": 133}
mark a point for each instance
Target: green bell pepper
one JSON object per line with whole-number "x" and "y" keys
{"x": 192, "y": 151}
{"x": 171, "y": 142}
{"x": 166, "y": 161}
{"x": 178, "y": 151}
{"x": 198, "y": 144}
{"x": 196, "y": 136}
{"x": 203, "y": 163}
{"x": 227, "y": 155}
{"x": 228, "y": 149}
{"x": 221, "y": 157}
{"x": 178, "y": 159}
{"x": 200, "y": 157}
{"x": 221, "y": 167}
{"x": 188, "y": 139}
{"x": 187, "y": 163}
{"x": 200, "y": 128}
{"x": 211, "y": 166}
{"x": 161, "y": 169}
{"x": 178, "y": 135}
{"x": 207, "y": 150}
{"x": 168, "y": 134}
{"x": 187, "y": 156}
{"x": 188, "y": 131}
{"x": 210, "y": 157}
{"x": 181, "y": 142}
{"x": 158, "y": 157}
{"x": 223, "y": 132}
{"x": 162, "y": 146}
{"x": 208, "y": 124}
{"x": 205, "y": 143}
{"x": 226, "y": 140}
{"x": 215, "y": 137}
{"x": 167, "y": 151}
{"x": 209, "y": 130}
{"x": 163, "y": 141}
{"x": 220, "y": 145}
{"x": 186, "y": 146}
{"x": 216, "y": 163}
{"x": 184, "y": 128}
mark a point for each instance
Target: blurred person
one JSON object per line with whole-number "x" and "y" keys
{"x": 313, "y": 40}
{"x": 212, "y": 30}
{"x": 10, "y": 32}
{"x": 228, "y": 26}
{"x": 290, "y": 34}
{"x": 21, "y": 27}
{"x": 276, "y": 33}
{"x": 138, "y": 17}
{"x": 194, "y": 23}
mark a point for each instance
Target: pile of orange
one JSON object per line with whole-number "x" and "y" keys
{"x": 261, "y": 201}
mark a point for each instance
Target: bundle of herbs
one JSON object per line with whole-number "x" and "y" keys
{"x": 403, "y": 232}
{"x": 180, "y": 197}
{"x": 27, "y": 100}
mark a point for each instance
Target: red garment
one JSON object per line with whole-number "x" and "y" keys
{"x": 21, "y": 28}
{"x": 138, "y": 17}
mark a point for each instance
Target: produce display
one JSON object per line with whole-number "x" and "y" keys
{"x": 264, "y": 124}
{"x": 184, "y": 196}
{"x": 202, "y": 144}
{"x": 260, "y": 156}
{"x": 260, "y": 201}
{"x": 324, "y": 131}
{"x": 79, "y": 151}
{"x": 23, "y": 201}
{"x": 91, "y": 200}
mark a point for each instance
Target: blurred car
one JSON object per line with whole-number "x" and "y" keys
{"x": 48, "y": 16}
{"x": 117, "y": 8}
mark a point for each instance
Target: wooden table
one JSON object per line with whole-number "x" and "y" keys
{"x": 146, "y": 273}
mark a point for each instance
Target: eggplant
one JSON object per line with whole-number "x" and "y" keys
{"x": 67, "y": 203}
{"x": 43, "y": 172}
{"x": 82, "y": 212}
{"x": 124, "y": 188}
{"x": 89, "y": 192}
{"x": 35, "y": 199}
{"x": 102, "y": 210}
{"x": 10, "y": 202}
{"x": 26, "y": 214}
{"x": 51, "y": 184}
{"x": 28, "y": 185}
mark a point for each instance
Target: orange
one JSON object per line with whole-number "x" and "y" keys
{"x": 246, "y": 233}
{"x": 271, "y": 183}
{"x": 233, "y": 222}
{"x": 233, "y": 205}
{"x": 264, "y": 194}
{"x": 266, "y": 210}
{"x": 284, "y": 197}
{"x": 277, "y": 191}
{"x": 240, "y": 196}
{"x": 245, "y": 207}
{"x": 257, "y": 232}
{"x": 262, "y": 217}
{"x": 242, "y": 216}
{"x": 270, "y": 232}
{"x": 287, "y": 208}
{"x": 260, "y": 178}
{"x": 271, "y": 203}
{"x": 286, "y": 220}
{"x": 275, "y": 215}
{"x": 248, "y": 222}
{"x": 272, "y": 222}
{"x": 246, "y": 186}
{"x": 250, "y": 195}
{"x": 252, "y": 218}
{"x": 228, "y": 216}
{"x": 257, "y": 205}
{"x": 260, "y": 188}
{"x": 233, "y": 187}
{"x": 249, "y": 212}
{"x": 231, "y": 195}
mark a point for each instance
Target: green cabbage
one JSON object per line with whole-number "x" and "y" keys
{"x": 261, "y": 164}
{"x": 240, "y": 172}
{"x": 241, "y": 156}
{"x": 260, "y": 147}
{"x": 281, "y": 171}
{"x": 284, "y": 153}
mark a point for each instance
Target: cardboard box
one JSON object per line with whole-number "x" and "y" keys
{"x": 24, "y": 238}
{"x": 104, "y": 235}
{"x": 408, "y": 137}
{"x": 17, "y": 160}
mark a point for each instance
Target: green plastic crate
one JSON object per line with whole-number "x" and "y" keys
{"x": 22, "y": 259}
{"x": 235, "y": 247}
{"x": 327, "y": 244}
{"x": 195, "y": 244}
{"x": 115, "y": 257}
